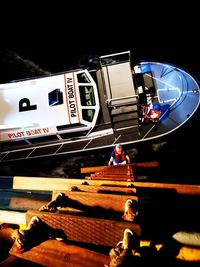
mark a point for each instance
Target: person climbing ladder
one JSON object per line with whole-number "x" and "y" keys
{"x": 119, "y": 156}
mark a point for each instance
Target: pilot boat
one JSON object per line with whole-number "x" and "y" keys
{"x": 118, "y": 101}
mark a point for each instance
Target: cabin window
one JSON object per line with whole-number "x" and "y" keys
{"x": 88, "y": 114}
{"x": 87, "y": 95}
{"x": 55, "y": 97}
{"x": 83, "y": 78}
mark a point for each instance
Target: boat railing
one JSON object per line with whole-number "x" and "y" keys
{"x": 121, "y": 98}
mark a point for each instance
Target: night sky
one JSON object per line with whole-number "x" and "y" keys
{"x": 57, "y": 38}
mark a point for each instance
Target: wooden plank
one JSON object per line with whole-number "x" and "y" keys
{"x": 179, "y": 188}
{"x": 121, "y": 170}
{"x": 88, "y": 230}
{"x": 56, "y": 253}
{"x": 103, "y": 182}
{"x": 50, "y": 184}
{"x": 189, "y": 254}
{"x": 15, "y": 261}
{"x": 38, "y": 183}
{"x": 187, "y": 238}
{"x": 13, "y": 217}
{"x": 108, "y": 168}
{"x": 111, "y": 177}
{"x": 10, "y": 261}
{"x": 95, "y": 203}
{"x": 116, "y": 171}
{"x": 150, "y": 164}
{"x": 102, "y": 189}
{"x": 6, "y": 241}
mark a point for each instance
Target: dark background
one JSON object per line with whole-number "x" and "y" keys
{"x": 39, "y": 39}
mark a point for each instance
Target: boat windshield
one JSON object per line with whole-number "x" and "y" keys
{"x": 87, "y": 95}
{"x": 83, "y": 78}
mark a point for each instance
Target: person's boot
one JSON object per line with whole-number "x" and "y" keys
{"x": 130, "y": 210}
{"x": 60, "y": 200}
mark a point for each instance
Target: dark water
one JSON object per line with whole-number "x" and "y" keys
{"x": 176, "y": 155}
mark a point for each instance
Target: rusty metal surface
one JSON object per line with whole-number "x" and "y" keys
{"x": 54, "y": 253}
{"x": 86, "y": 229}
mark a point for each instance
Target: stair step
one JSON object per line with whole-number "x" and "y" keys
{"x": 53, "y": 253}
{"x": 84, "y": 229}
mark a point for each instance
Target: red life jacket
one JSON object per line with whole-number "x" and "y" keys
{"x": 153, "y": 115}
{"x": 117, "y": 156}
